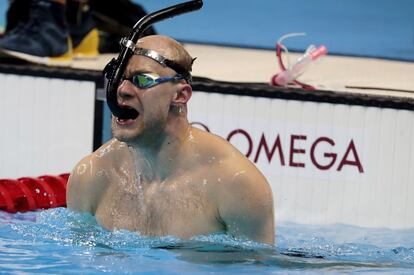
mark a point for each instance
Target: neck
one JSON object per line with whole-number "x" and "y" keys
{"x": 159, "y": 157}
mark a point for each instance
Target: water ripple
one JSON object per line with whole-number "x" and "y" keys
{"x": 61, "y": 241}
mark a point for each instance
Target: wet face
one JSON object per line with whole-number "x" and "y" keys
{"x": 152, "y": 104}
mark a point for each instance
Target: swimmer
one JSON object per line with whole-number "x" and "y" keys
{"x": 159, "y": 175}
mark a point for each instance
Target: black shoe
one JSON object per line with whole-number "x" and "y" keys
{"x": 43, "y": 38}
{"x": 18, "y": 12}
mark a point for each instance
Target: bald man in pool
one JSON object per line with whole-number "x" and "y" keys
{"x": 159, "y": 175}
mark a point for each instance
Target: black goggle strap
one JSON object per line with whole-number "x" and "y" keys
{"x": 163, "y": 61}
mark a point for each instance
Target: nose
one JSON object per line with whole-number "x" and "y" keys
{"x": 125, "y": 92}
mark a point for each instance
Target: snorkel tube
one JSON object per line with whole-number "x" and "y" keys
{"x": 115, "y": 68}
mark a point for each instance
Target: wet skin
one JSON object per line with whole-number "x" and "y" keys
{"x": 160, "y": 176}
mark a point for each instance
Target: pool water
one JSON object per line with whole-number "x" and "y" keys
{"x": 61, "y": 241}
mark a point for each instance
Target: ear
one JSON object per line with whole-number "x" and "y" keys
{"x": 183, "y": 94}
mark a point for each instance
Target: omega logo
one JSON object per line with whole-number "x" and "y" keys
{"x": 286, "y": 156}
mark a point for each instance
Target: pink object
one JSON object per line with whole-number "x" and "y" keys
{"x": 322, "y": 50}
{"x": 286, "y": 77}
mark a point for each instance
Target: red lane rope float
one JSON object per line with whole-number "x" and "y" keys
{"x": 28, "y": 194}
{"x": 6, "y": 200}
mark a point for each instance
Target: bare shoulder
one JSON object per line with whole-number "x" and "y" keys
{"x": 88, "y": 178}
{"x": 246, "y": 202}
{"x": 229, "y": 160}
{"x": 213, "y": 145}
{"x": 243, "y": 195}
{"x": 243, "y": 180}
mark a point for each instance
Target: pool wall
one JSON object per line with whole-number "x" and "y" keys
{"x": 47, "y": 120}
{"x": 330, "y": 157}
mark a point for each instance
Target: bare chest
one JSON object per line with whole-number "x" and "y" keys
{"x": 177, "y": 207}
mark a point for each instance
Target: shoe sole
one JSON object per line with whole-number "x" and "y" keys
{"x": 50, "y": 61}
{"x": 63, "y": 60}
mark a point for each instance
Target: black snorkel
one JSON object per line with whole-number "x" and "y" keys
{"x": 115, "y": 68}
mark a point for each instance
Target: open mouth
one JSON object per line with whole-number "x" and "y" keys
{"x": 126, "y": 114}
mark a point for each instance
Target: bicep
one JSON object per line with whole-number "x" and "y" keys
{"x": 255, "y": 223}
{"x": 248, "y": 210}
{"x": 79, "y": 189}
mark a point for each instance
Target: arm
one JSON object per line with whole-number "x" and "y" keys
{"x": 246, "y": 205}
{"x": 81, "y": 194}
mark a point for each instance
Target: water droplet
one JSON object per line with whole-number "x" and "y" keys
{"x": 81, "y": 169}
{"x": 37, "y": 190}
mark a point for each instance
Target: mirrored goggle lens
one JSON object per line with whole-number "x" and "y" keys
{"x": 144, "y": 80}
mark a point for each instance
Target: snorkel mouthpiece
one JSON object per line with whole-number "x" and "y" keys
{"x": 115, "y": 68}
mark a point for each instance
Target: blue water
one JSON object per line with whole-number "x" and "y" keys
{"x": 60, "y": 241}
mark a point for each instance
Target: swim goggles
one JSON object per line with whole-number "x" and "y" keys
{"x": 148, "y": 80}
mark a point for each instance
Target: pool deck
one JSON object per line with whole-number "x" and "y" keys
{"x": 335, "y": 73}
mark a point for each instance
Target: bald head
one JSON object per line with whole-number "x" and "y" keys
{"x": 169, "y": 48}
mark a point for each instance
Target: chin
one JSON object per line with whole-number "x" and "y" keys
{"x": 124, "y": 138}
{"x": 137, "y": 132}
{"x": 125, "y": 135}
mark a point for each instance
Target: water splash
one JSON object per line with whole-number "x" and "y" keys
{"x": 59, "y": 239}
